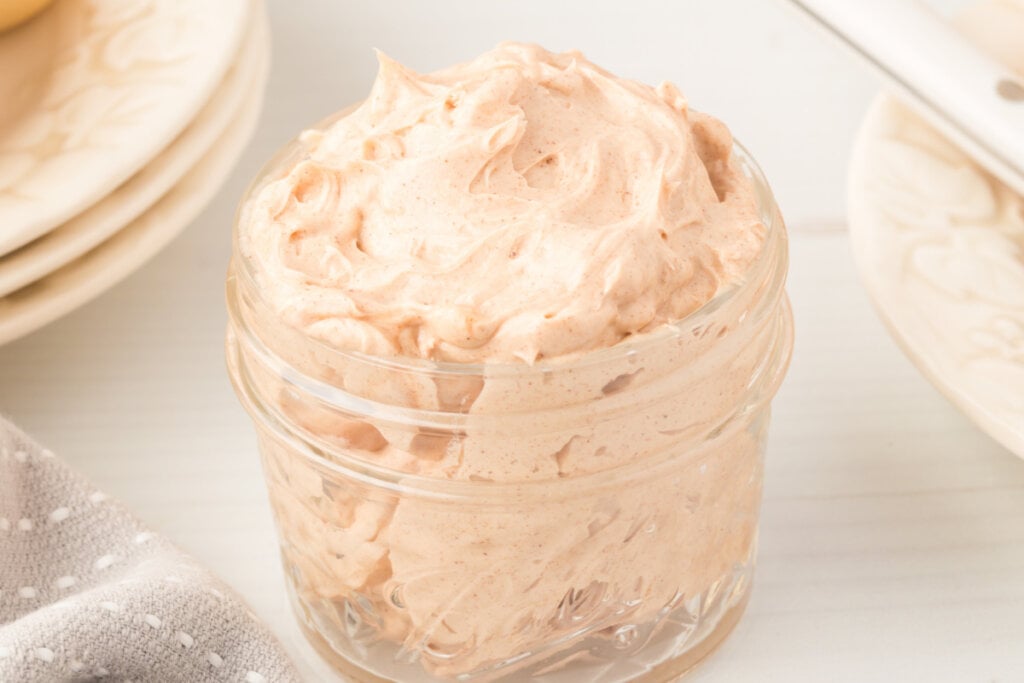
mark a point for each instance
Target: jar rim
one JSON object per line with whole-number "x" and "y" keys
{"x": 773, "y": 244}
{"x": 494, "y": 493}
{"x": 772, "y": 255}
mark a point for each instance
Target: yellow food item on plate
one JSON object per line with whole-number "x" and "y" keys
{"x": 14, "y": 12}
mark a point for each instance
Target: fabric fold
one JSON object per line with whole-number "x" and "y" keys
{"x": 88, "y": 592}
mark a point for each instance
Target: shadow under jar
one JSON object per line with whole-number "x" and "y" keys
{"x": 584, "y": 519}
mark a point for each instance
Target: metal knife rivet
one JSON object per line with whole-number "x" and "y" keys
{"x": 1010, "y": 90}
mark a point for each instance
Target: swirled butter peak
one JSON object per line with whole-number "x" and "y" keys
{"x": 520, "y": 206}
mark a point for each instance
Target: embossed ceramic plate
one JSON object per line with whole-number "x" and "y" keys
{"x": 90, "y": 275}
{"x": 92, "y": 90}
{"x": 940, "y": 246}
{"x": 83, "y": 232}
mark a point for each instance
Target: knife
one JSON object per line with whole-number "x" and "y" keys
{"x": 971, "y": 98}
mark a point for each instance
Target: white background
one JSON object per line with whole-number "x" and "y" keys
{"x": 892, "y": 543}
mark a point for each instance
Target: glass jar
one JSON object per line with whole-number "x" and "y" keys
{"x": 591, "y": 518}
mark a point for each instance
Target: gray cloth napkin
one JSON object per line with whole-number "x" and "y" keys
{"x": 87, "y": 592}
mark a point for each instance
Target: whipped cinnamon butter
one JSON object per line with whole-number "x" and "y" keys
{"x": 509, "y": 331}
{"x": 521, "y": 206}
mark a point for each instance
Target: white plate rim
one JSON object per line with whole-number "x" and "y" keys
{"x": 63, "y": 244}
{"x": 104, "y": 266}
{"x": 863, "y": 220}
{"x": 224, "y": 26}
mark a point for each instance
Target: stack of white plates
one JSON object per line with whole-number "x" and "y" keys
{"x": 119, "y": 120}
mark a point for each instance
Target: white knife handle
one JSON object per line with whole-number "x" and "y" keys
{"x": 976, "y": 101}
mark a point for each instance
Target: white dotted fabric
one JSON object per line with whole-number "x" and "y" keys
{"x": 86, "y": 592}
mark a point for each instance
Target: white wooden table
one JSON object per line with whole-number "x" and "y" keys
{"x": 892, "y": 545}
